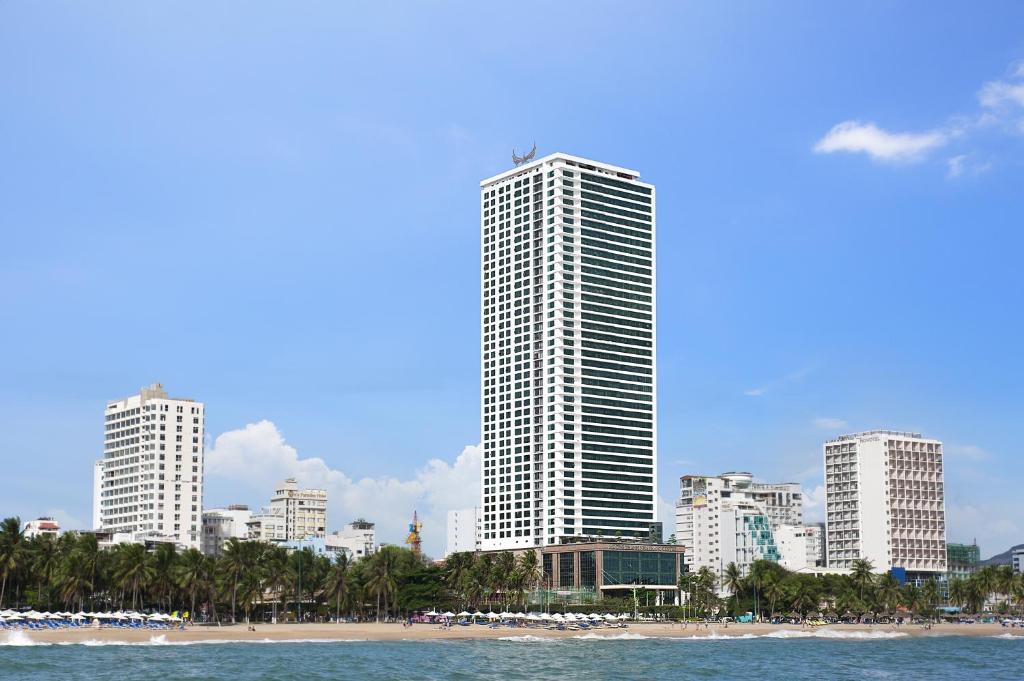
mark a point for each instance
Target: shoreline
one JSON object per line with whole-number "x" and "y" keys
{"x": 371, "y": 631}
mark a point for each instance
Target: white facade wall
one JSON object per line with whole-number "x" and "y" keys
{"x": 1018, "y": 560}
{"x": 462, "y": 531}
{"x": 885, "y": 501}
{"x": 568, "y": 393}
{"x": 800, "y": 546}
{"x": 221, "y": 524}
{"x": 304, "y": 510}
{"x": 731, "y": 519}
{"x": 152, "y": 481}
{"x": 40, "y": 526}
{"x": 268, "y": 526}
{"x": 97, "y": 494}
{"x": 357, "y": 539}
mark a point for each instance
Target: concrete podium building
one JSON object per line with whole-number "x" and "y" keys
{"x": 568, "y": 367}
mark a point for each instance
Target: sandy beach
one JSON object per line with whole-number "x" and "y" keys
{"x": 394, "y": 632}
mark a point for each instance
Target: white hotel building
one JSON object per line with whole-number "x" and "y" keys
{"x": 568, "y": 388}
{"x": 885, "y": 502}
{"x": 149, "y": 484}
{"x": 729, "y": 518}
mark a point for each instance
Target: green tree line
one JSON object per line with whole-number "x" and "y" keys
{"x": 771, "y": 590}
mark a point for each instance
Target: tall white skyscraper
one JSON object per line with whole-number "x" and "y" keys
{"x": 568, "y": 394}
{"x": 885, "y": 502}
{"x": 151, "y": 487}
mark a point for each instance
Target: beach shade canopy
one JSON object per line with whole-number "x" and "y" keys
{"x": 14, "y": 618}
{"x": 448, "y": 613}
{"x": 532, "y": 618}
{"x": 464, "y": 614}
{"x": 478, "y": 614}
{"x": 520, "y": 615}
{"x": 433, "y": 613}
{"x": 492, "y": 615}
{"x": 594, "y": 616}
{"x": 609, "y": 617}
{"x": 558, "y": 616}
{"x": 544, "y": 616}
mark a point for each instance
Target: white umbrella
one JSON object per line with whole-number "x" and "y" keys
{"x": 544, "y": 616}
{"x": 448, "y": 613}
{"x": 609, "y": 617}
{"x": 463, "y": 614}
{"x": 432, "y": 613}
{"x": 570, "y": 617}
{"x": 14, "y": 618}
{"x": 33, "y": 615}
{"x": 532, "y": 618}
{"x": 623, "y": 617}
{"x": 478, "y": 614}
{"x": 520, "y": 615}
{"x": 558, "y": 616}
{"x": 594, "y": 616}
{"x": 491, "y": 615}
{"x": 77, "y": 617}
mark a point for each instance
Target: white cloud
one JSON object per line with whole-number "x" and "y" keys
{"x": 755, "y": 392}
{"x": 999, "y": 93}
{"x": 955, "y": 166}
{"x": 244, "y": 465}
{"x": 814, "y": 504}
{"x": 879, "y": 144}
{"x": 830, "y": 423}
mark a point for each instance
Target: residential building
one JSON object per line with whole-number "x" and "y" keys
{"x": 304, "y": 510}
{"x": 267, "y": 525}
{"x": 731, "y": 519}
{"x": 221, "y": 524}
{"x": 885, "y": 502}
{"x": 41, "y": 526}
{"x": 1017, "y": 558}
{"x": 357, "y": 539}
{"x": 463, "y": 531}
{"x": 962, "y": 560}
{"x": 800, "y": 546}
{"x": 568, "y": 370}
{"x": 97, "y": 494}
{"x": 151, "y": 487}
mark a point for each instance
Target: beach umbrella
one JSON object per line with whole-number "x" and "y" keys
{"x": 448, "y": 613}
{"x": 532, "y": 618}
{"x": 609, "y": 617}
{"x": 432, "y": 613}
{"x": 558, "y": 617}
{"x": 491, "y": 615}
{"x": 594, "y": 616}
{"x": 478, "y": 614}
{"x": 464, "y": 614}
{"x": 544, "y": 616}
{"x": 520, "y": 615}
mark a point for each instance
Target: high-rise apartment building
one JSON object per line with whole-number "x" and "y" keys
{"x": 304, "y": 510}
{"x": 151, "y": 484}
{"x": 731, "y": 519}
{"x": 568, "y": 388}
{"x": 885, "y": 502}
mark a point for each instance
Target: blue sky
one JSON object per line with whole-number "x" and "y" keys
{"x": 273, "y": 208}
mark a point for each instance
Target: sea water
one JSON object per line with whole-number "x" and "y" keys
{"x": 790, "y": 655}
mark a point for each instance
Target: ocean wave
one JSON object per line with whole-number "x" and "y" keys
{"x": 859, "y": 634}
{"x": 1009, "y": 637}
{"x": 527, "y": 638}
{"x": 624, "y": 636}
{"x": 20, "y": 639}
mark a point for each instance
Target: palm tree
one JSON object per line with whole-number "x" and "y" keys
{"x": 232, "y": 567}
{"x": 958, "y": 592}
{"x": 383, "y": 581}
{"x": 73, "y": 578}
{"x": 930, "y": 596}
{"x": 88, "y": 549}
{"x": 165, "y": 559}
{"x": 456, "y": 567}
{"x": 276, "y": 573}
{"x": 134, "y": 569}
{"x": 802, "y": 595}
{"x": 774, "y": 590}
{"x": 336, "y": 582}
{"x": 1003, "y": 581}
{"x": 45, "y": 560}
{"x": 733, "y": 581}
{"x": 250, "y": 589}
{"x": 11, "y": 539}
{"x": 888, "y": 592}
{"x": 191, "y": 574}
{"x": 862, "y": 574}
{"x": 531, "y": 570}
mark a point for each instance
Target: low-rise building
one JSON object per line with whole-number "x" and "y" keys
{"x": 800, "y": 546}
{"x": 267, "y": 525}
{"x": 41, "y": 526}
{"x": 1017, "y": 558}
{"x": 221, "y": 524}
{"x": 357, "y": 539}
{"x": 304, "y": 510}
{"x": 962, "y": 560}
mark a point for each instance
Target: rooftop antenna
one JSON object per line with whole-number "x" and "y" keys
{"x": 525, "y": 158}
